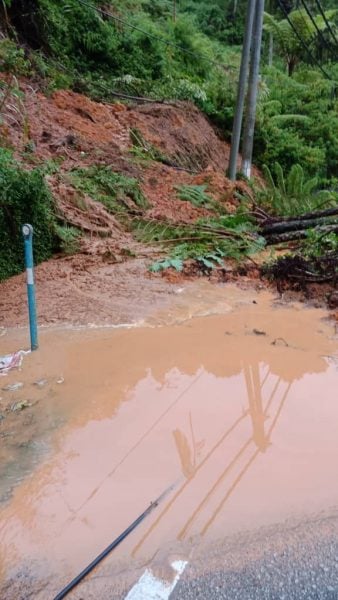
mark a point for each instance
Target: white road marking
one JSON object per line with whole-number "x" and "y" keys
{"x": 150, "y": 587}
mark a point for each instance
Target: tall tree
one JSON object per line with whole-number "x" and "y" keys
{"x": 288, "y": 43}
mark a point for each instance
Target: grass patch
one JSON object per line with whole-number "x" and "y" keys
{"x": 117, "y": 192}
{"x": 69, "y": 238}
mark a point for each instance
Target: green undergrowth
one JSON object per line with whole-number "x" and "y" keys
{"x": 193, "y": 55}
{"x": 293, "y": 193}
{"x": 207, "y": 242}
{"x": 196, "y": 195}
{"x": 24, "y": 198}
{"x": 141, "y": 149}
{"x": 319, "y": 244}
{"x": 69, "y": 238}
{"x": 288, "y": 194}
{"x": 117, "y": 192}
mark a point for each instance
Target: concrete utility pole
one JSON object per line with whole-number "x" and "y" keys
{"x": 249, "y": 126}
{"x": 243, "y": 74}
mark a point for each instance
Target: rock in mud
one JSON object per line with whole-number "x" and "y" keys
{"x": 333, "y": 300}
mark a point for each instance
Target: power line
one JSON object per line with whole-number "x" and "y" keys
{"x": 315, "y": 25}
{"x": 327, "y": 23}
{"x": 156, "y": 37}
{"x": 299, "y": 37}
{"x": 312, "y": 35}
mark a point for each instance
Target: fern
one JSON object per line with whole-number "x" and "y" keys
{"x": 209, "y": 242}
{"x": 292, "y": 194}
{"x": 196, "y": 194}
{"x": 115, "y": 190}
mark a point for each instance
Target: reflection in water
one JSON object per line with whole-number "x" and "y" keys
{"x": 260, "y": 438}
{"x": 141, "y": 408}
{"x": 249, "y": 463}
{"x": 257, "y": 414}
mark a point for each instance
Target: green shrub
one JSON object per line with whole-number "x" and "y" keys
{"x": 293, "y": 193}
{"x": 69, "y": 238}
{"x": 115, "y": 190}
{"x": 24, "y": 198}
{"x": 297, "y": 122}
{"x": 12, "y": 58}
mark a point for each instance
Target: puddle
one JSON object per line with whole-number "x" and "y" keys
{"x": 238, "y": 410}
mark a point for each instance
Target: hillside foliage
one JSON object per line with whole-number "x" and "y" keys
{"x": 187, "y": 50}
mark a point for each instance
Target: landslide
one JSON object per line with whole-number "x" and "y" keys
{"x": 77, "y": 133}
{"x": 158, "y": 146}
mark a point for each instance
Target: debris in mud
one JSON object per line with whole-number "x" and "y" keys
{"x": 20, "y": 405}
{"x": 300, "y": 270}
{"x": 41, "y": 383}
{"x": 13, "y": 387}
{"x": 11, "y": 361}
{"x": 279, "y": 342}
{"x": 333, "y": 300}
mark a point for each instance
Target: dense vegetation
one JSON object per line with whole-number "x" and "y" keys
{"x": 24, "y": 198}
{"x": 188, "y": 49}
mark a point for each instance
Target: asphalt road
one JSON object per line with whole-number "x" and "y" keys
{"x": 287, "y": 562}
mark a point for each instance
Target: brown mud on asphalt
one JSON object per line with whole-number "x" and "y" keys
{"x": 83, "y": 290}
{"x": 237, "y": 410}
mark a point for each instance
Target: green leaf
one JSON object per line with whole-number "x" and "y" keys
{"x": 207, "y": 263}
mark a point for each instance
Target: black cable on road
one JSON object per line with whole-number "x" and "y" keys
{"x": 111, "y": 546}
{"x": 197, "y": 55}
{"x": 304, "y": 44}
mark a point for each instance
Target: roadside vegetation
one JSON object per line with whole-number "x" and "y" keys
{"x": 168, "y": 51}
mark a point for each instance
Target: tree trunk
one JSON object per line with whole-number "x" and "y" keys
{"x": 296, "y": 225}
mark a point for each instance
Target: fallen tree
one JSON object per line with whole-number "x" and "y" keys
{"x": 314, "y": 259}
{"x": 277, "y": 230}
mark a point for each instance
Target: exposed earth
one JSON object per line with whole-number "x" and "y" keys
{"x": 142, "y": 380}
{"x": 107, "y": 280}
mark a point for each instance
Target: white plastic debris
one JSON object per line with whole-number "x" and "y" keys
{"x": 11, "y": 361}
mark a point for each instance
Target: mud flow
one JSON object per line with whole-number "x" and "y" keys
{"x": 237, "y": 411}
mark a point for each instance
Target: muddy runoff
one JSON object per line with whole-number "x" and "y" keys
{"x": 238, "y": 411}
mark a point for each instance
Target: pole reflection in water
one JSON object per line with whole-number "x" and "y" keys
{"x": 260, "y": 438}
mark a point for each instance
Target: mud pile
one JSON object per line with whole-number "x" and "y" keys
{"x": 77, "y": 132}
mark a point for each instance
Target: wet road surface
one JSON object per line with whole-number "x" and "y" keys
{"x": 237, "y": 411}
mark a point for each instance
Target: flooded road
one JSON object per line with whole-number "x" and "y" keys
{"x": 238, "y": 411}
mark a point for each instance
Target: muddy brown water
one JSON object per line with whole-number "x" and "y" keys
{"x": 238, "y": 410}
